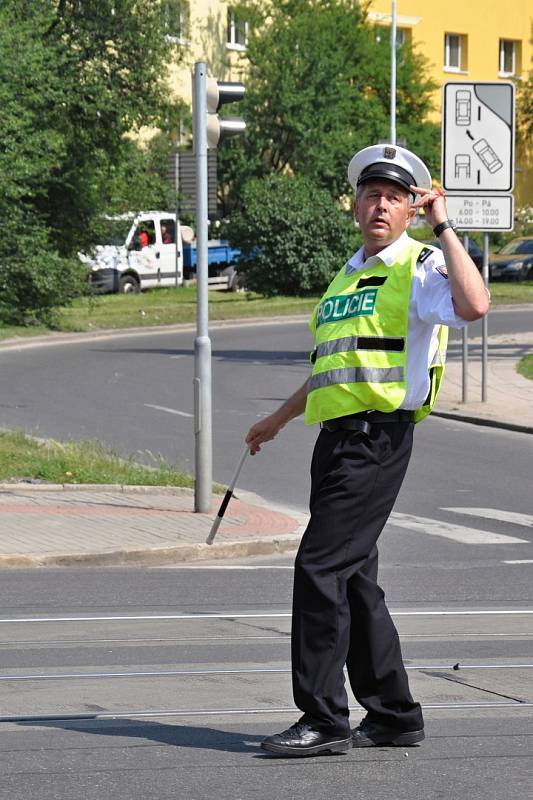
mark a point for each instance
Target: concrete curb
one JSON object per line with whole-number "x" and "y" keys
{"x": 20, "y": 342}
{"x": 156, "y": 557}
{"x": 483, "y": 421}
{"x": 96, "y": 487}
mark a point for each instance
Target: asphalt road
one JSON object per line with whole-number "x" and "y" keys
{"x": 127, "y": 684}
{"x": 135, "y": 394}
{"x": 130, "y": 690}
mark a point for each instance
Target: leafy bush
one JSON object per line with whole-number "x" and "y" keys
{"x": 293, "y": 237}
{"x": 34, "y": 280}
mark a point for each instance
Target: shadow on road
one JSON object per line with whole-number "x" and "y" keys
{"x": 201, "y": 738}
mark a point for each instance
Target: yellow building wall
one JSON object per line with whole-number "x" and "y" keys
{"x": 206, "y": 40}
{"x": 482, "y": 23}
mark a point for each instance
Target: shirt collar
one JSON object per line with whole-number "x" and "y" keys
{"x": 387, "y": 255}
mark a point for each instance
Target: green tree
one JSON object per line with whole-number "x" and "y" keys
{"x": 292, "y": 235}
{"x": 76, "y": 80}
{"x": 318, "y": 89}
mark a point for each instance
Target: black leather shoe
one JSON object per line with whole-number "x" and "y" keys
{"x": 371, "y": 734}
{"x": 302, "y": 740}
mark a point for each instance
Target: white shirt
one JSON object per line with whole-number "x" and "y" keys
{"x": 430, "y": 305}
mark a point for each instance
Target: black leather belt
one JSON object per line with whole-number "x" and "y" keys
{"x": 364, "y": 420}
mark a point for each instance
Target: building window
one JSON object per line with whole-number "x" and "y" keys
{"x": 403, "y": 35}
{"x": 176, "y": 15}
{"x": 454, "y": 52}
{"x": 509, "y": 61}
{"x": 237, "y": 30}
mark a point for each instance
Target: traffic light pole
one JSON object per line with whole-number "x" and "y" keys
{"x": 202, "y": 344}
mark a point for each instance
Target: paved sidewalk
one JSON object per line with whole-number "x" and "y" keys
{"x": 44, "y": 525}
{"x": 509, "y": 395}
{"x": 54, "y": 525}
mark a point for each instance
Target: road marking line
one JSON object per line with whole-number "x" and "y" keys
{"x": 520, "y": 561}
{"x": 457, "y": 533}
{"x": 202, "y": 712}
{"x": 496, "y": 513}
{"x": 262, "y": 615}
{"x": 168, "y": 410}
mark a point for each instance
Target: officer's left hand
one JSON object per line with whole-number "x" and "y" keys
{"x": 433, "y": 203}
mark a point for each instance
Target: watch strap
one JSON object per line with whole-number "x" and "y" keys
{"x": 437, "y": 230}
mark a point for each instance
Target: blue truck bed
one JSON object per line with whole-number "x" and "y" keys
{"x": 218, "y": 252}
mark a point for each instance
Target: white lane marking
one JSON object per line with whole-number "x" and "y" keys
{"x": 496, "y": 513}
{"x": 520, "y": 561}
{"x": 262, "y": 615}
{"x": 458, "y": 533}
{"x": 181, "y": 356}
{"x": 168, "y": 410}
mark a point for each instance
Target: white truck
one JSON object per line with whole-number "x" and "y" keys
{"x": 153, "y": 249}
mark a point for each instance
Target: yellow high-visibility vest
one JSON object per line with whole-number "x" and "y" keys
{"x": 361, "y": 329}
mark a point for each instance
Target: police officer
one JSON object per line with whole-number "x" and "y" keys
{"x": 380, "y": 340}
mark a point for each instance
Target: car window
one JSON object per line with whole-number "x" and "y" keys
{"x": 517, "y": 246}
{"x": 144, "y": 235}
{"x": 168, "y": 233}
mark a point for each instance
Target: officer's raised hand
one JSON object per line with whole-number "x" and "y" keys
{"x": 433, "y": 202}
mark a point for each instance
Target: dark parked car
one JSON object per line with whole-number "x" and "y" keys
{"x": 474, "y": 250}
{"x": 514, "y": 262}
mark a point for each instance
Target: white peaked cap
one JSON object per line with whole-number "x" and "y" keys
{"x": 388, "y": 162}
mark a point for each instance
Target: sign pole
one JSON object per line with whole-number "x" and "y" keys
{"x": 484, "y": 321}
{"x": 477, "y": 168}
{"x": 203, "y": 451}
{"x": 464, "y": 334}
{"x": 393, "y": 74}
{"x": 176, "y": 225}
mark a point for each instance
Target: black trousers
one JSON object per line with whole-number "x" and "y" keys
{"x": 339, "y": 612}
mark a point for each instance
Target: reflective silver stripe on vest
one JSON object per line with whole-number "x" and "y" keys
{"x": 438, "y": 359}
{"x": 349, "y": 343}
{"x": 331, "y": 377}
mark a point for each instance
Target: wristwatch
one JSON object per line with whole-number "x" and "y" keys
{"x": 437, "y": 230}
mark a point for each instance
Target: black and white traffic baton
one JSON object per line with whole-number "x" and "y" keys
{"x": 227, "y": 498}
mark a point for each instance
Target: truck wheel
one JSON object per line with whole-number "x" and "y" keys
{"x": 128, "y": 284}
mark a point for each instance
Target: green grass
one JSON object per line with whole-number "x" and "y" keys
{"x": 525, "y": 367}
{"x": 22, "y": 457}
{"x": 171, "y": 306}
{"x": 511, "y": 293}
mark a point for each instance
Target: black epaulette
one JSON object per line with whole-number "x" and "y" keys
{"x": 424, "y": 253}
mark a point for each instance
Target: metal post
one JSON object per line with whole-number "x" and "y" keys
{"x": 202, "y": 344}
{"x": 176, "y": 240}
{"x": 484, "y": 321}
{"x": 393, "y": 75}
{"x": 464, "y": 334}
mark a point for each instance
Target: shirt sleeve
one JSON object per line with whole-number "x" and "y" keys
{"x": 431, "y": 293}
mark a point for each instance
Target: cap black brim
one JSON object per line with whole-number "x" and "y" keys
{"x": 389, "y": 172}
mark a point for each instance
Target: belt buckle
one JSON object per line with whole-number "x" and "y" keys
{"x": 327, "y": 426}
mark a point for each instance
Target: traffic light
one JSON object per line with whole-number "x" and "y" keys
{"x": 217, "y": 94}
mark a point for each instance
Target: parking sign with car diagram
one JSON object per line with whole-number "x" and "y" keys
{"x": 478, "y": 137}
